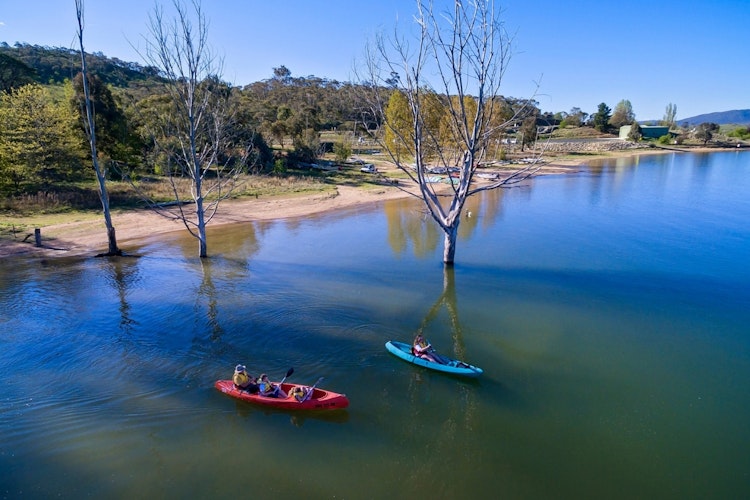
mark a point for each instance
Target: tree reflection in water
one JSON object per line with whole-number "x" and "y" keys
{"x": 122, "y": 272}
{"x": 409, "y": 224}
{"x": 460, "y": 409}
{"x": 207, "y": 290}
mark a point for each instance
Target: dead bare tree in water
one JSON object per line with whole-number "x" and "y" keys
{"x": 454, "y": 122}
{"x": 90, "y": 127}
{"x": 195, "y": 134}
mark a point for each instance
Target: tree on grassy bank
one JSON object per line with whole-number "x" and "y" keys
{"x": 454, "y": 122}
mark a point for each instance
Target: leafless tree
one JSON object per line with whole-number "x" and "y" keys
{"x": 90, "y": 127}
{"x": 196, "y": 135}
{"x": 467, "y": 52}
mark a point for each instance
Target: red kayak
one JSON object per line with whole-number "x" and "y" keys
{"x": 319, "y": 400}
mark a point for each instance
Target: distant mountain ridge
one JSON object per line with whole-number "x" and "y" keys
{"x": 54, "y": 65}
{"x": 57, "y": 64}
{"x": 734, "y": 117}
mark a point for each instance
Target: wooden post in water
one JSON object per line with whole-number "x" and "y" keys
{"x": 37, "y": 237}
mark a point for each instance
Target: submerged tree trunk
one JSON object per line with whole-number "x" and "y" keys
{"x": 449, "y": 245}
{"x": 201, "y": 226}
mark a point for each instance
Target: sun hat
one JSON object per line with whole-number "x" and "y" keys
{"x": 240, "y": 368}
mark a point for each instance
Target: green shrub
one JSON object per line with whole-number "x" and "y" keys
{"x": 740, "y": 133}
{"x": 279, "y": 166}
{"x": 342, "y": 151}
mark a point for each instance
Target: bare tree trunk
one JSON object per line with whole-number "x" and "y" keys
{"x": 91, "y": 133}
{"x": 449, "y": 244}
{"x": 200, "y": 213}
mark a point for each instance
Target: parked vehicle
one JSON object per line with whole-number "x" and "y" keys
{"x": 369, "y": 169}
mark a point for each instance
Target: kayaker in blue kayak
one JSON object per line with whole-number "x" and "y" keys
{"x": 243, "y": 381}
{"x": 423, "y": 349}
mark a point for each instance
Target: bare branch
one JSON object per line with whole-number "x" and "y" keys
{"x": 197, "y": 131}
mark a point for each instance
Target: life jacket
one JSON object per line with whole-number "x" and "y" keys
{"x": 241, "y": 379}
{"x": 421, "y": 344}
{"x": 266, "y": 388}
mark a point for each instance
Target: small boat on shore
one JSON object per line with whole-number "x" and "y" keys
{"x": 452, "y": 366}
{"x": 320, "y": 399}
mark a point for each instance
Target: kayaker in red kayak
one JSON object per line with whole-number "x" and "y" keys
{"x": 243, "y": 381}
{"x": 299, "y": 393}
{"x": 270, "y": 390}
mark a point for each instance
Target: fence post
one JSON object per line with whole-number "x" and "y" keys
{"x": 38, "y": 237}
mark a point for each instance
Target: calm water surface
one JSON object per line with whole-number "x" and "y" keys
{"x": 609, "y": 310}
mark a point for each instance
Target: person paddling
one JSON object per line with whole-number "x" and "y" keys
{"x": 423, "y": 349}
{"x": 270, "y": 390}
{"x": 243, "y": 381}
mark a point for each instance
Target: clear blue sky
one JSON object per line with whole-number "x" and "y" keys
{"x": 691, "y": 53}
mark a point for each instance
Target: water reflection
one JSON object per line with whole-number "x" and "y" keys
{"x": 409, "y": 223}
{"x": 447, "y": 300}
{"x": 207, "y": 293}
{"x": 231, "y": 242}
{"x": 297, "y": 419}
{"x": 442, "y": 411}
{"x": 122, "y": 273}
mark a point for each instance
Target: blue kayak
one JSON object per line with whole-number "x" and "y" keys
{"x": 452, "y": 366}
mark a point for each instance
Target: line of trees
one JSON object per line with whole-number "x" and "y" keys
{"x": 282, "y": 110}
{"x": 285, "y": 111}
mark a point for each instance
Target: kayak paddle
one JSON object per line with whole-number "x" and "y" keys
{"x": 278, "y": 386}
{"x": 310, "y": 391}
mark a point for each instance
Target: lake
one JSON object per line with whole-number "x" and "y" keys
{"x": 609, "y": 310}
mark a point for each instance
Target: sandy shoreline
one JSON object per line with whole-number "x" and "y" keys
{"x": 89, "y": 237}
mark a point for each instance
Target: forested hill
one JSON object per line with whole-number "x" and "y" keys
{"x": 734, "y": 117}
{"x": 56, "y": 64}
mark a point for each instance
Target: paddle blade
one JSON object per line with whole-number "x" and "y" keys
{"x": 289, "y": 373}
